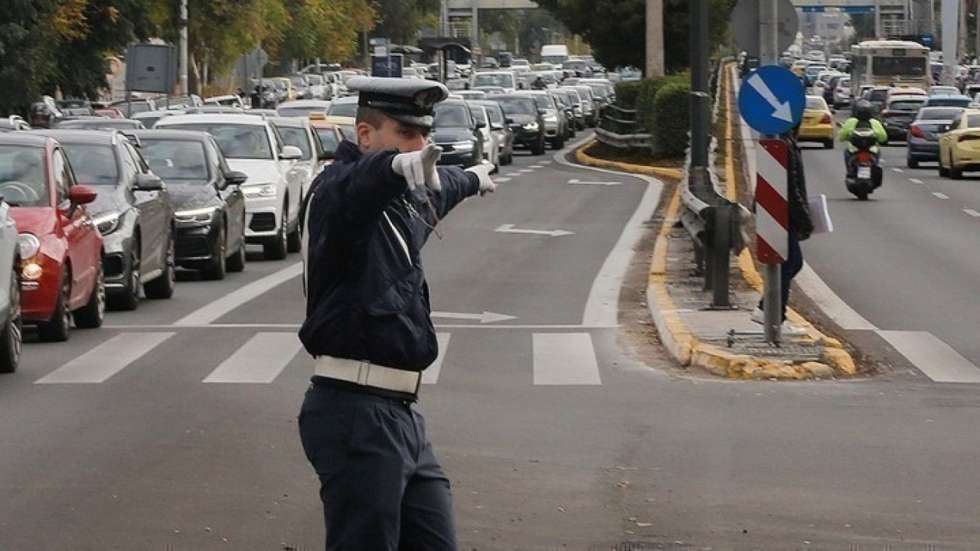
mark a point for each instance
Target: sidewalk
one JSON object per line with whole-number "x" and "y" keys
{"x": 726, "y": 343}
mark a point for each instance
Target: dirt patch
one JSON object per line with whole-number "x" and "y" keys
{"x": 632, "y": 156}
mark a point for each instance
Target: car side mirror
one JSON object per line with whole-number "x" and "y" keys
{"x": 81, "y": 195}
{"x": 481, "y": 124}
{"x": 290, "y": 153}
{"x": 326, "y": 156}
{"x": 496, "y": 127}
{"x": 235, "y": 178}
{"x": 509, "y": 120}
{"x": 148, "y": 182}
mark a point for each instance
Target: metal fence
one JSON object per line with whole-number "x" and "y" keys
{"x": 619, "y": 128}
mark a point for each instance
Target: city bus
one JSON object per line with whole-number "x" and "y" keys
{"x": 889, "y": 63}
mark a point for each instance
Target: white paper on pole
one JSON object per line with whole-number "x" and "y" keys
{"x": 820, "y": 214}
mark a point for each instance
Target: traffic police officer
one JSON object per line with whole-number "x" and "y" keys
{"x": 368, "y": 322}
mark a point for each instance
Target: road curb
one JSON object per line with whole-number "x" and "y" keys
{"x": 678, "y": 338}
{"x": 584, "y": 158}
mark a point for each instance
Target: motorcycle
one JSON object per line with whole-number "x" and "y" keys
{"x": 864, "y": 174}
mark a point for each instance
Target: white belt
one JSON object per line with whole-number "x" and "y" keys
{"x": 368, "y": 374}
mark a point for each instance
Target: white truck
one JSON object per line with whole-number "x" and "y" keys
{"x": 554, "y": 53}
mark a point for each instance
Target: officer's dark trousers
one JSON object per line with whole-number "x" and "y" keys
{"x": 381, "y": 485}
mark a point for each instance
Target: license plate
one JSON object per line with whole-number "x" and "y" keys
{"x": 864, "y": 172}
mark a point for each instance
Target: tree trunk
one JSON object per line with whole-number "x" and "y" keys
{"x": 196, "y": 72}
{"x": 655, "y": 38}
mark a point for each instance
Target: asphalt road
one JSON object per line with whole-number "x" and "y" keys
{"x": 180, "y": 433}
{"x": 906, "y": 260}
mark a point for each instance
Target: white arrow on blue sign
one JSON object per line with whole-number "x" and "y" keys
{"x": 772, "y": 99}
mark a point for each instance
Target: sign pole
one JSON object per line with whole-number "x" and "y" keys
{"x": 772, "y": 290}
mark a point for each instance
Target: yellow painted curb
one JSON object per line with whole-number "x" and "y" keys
{"x": 582, "y": 157}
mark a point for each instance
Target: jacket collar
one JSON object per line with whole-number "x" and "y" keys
{"x": 347, "y": 152}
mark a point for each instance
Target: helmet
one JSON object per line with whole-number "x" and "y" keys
{"x": 862, "y": 110}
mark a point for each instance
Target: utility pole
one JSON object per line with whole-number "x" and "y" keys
{"x": 476, "y": 28}
{"x": 444, "y": 18}
{"x": 182, "y": 88}
{"x": 950, "y": 25}
{"x": 655, "y": 39}
{"x": 963, "y": 30}
{"x": 877, "y": 19}
{"x": 768, "y": 55}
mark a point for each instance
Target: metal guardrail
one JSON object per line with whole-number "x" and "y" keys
{"x": 714, "y": 222}
{"x": 618, "y": 128}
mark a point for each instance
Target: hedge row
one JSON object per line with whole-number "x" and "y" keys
{"x": 661, "y": 108}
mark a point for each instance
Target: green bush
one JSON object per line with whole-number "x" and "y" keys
{"x": 626, "y": 93}
{"x": 671, "y": 117}
{"x": 644, "y": 101}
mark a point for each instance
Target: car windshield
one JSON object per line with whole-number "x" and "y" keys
{"x": 949, "y": 102}
{"x": 496, "y": 117}
{"x": 816, "y": 104}
{"x": 517, "y": 106}
{"x": 94, "y": 164}
{"x": 299, "y": 111}
{"x": 905, "y": 105}
{"x": 479, "y": 114}
{"x": 298, "y": 137}
{"x": 543, "y": 102}
{"x": 237, "y": 141}
{"x": 878, "y": 95}
{"x": 503, "y": 80}
{"x": 176, "y": 159}
{"x": 328, "y": 139}
{"x": 451, "y": 116}
{"x": 315, "y": 80}
{"x": 939, "y": 114}
{"x": 343, "y": 109}
{"x": 22, "y": 181}
{"x": 598, "y": 90}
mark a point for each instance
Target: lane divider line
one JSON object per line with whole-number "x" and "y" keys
{"x": 898, "y": 170}
{"x": 215, "y": 309}
{"x": 916, "y": 181}
{"x": 972, "y": 213}
{"x": 938, "y": 195}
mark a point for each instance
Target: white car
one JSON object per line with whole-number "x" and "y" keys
{"x": 273, "y": 190}
{"x": 296, "y": 131}
{"x": 505, "y": 79}
{"x": 226, "y": 101}
{"x": 491, "y": 150}
{"x": 842, "y": 94}
{"x": 12, "y": 329}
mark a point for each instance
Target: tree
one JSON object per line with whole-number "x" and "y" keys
{"x": 25, "y": 52}
{"x": 605, "y": 23}
{"x": 400, "y": 20}
{"x": 326, "y": 28}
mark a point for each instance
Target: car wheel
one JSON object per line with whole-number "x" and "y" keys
{"x": 956, "y": 173}
{"x": 829, "y": 144}
{"x": 129, "y": 297}
{"x": 862, "y": 195}
{"x": 56, "y": 328}
{"x": 11, "y": 338}
{"x": 277, "y": 248}
{"x": 294, "y": 241}
{"x": 237, "y": 261}
{"x": 164, "y": 285}
{"x": 538, "y": 148}
{"x": 217, "y": 268}
{"x": 92, "y": 314}
{"x": 911, "y": 163}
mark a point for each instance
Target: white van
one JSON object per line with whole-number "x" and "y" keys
{"x": 554, "y": 53}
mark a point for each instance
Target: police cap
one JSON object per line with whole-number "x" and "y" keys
{"x": 407, "y": 100}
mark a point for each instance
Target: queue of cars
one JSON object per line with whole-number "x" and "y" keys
{"x": 94, "y": 217}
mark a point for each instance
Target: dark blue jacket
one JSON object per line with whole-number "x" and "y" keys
{"x": 367, "y": 298}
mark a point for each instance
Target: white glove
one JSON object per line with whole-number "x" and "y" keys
{"x": 482, "y": 172}
{"x": 419, "y": 167}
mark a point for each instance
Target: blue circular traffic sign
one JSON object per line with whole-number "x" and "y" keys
{"x": 771, "y": 100}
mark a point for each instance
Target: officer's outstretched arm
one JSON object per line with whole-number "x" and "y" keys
{"x": 373, "y": 185}
{"x": 457, "y": 185}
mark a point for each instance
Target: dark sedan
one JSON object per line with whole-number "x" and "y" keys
{"x": 133, "y": 212}
{"x": 898, "y": 114}
{"x": 455, "y": 131}
{"x": 923, "y": 136}
{"x": 526, "y": 122}
{"x": 209, "y": 207}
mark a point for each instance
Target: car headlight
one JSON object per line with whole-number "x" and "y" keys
{"x": 532, "y": 126}
{"x": 28, "y": 245}
{"x": 202, "y": 215}
{"x": 462, "y": 146}
{"x": 259, "y": 190}
{"x": 107, "y": 223}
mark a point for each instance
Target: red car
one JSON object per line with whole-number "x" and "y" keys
{"x": 60, "y": 247}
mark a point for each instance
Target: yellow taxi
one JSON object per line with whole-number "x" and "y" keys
{"x": 818, "y": 122}
{"x": 332, "y": 130}
{"x": 959, "y": 147}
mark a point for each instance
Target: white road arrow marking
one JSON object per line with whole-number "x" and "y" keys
{"x": 781, "y": 111}
{"x": 485, "y": 317}
{"x": 509, "y": 228}
{"x": 587, "y": 183}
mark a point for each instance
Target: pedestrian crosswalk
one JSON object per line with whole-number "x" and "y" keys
{"x": 555, "y": 358}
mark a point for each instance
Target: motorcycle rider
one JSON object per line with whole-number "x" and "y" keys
{"x": 861, "y": 117}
